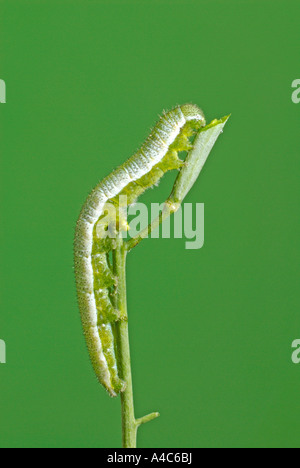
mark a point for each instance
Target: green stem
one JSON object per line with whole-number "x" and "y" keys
{"x": 204, "y": 141}
{"x": 129, "y": 423}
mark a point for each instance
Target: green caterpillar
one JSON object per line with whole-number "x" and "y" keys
{"x": 95, "y": 279}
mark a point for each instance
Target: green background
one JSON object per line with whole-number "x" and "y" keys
{"x": 211, "y": 329}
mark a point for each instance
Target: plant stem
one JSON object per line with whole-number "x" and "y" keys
{"x": 129, "y": 423}
{"x": 122, "y": 340}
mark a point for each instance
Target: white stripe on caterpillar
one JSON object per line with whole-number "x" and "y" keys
{"x": 94, "y": 277}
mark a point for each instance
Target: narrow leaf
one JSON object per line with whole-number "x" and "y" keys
{"x": 196, "y": 158}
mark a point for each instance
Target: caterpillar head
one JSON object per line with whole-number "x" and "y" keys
{"x": 193, "y": 112}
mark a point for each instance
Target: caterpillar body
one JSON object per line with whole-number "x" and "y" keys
{"x": 95, "y": 280}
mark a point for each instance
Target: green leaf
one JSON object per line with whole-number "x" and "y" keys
{"x": 195, "y": 160}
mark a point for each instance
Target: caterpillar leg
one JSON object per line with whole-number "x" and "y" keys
{"x": 100, "y": 343}
{"x": 107, "y": 341}
{"x": 106, "y": 311}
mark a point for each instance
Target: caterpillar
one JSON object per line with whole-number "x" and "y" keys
{"x": 95, "y": 279}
